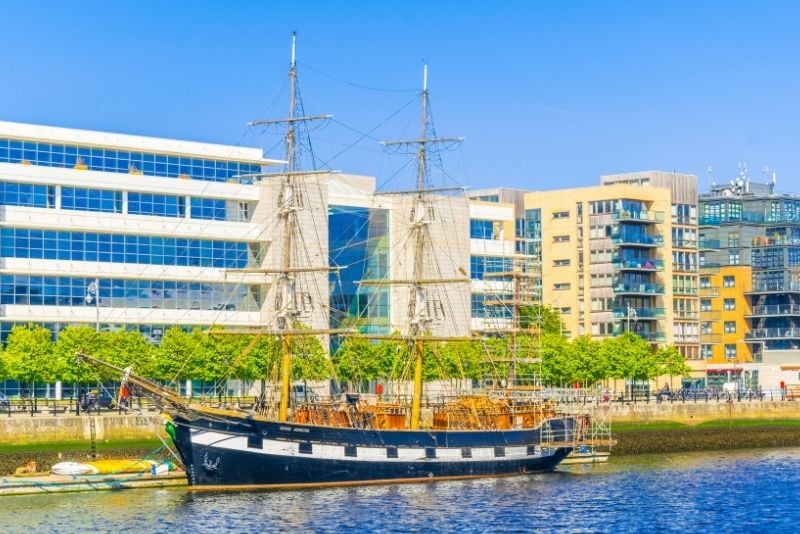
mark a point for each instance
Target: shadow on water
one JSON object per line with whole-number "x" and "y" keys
{"x": 677, "y": 492}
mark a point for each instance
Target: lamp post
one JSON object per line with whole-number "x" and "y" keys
{"x": 93, "y": 294}
{"x": 631, "y": 314}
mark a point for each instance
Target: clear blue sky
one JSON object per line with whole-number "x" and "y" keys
{"x": 547, "y": 94}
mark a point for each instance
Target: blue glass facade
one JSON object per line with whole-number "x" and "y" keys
{"x": 359, "y": 247}
{"x": 121, "y": 293}
{"x": 213, "y": 209}
{"x": 118, "y": 248}
{"x": 101, "y": 159}
{"x": 108, "y": 201}
{"x": 480, "y": 265}
{"x": 27, "y": 195}
{"x": 481, "y": 311}
{"x": 74, "y": 198}
{"x": 155, "y": 204}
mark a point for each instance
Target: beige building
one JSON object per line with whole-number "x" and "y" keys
{"x": 622, "y": 256}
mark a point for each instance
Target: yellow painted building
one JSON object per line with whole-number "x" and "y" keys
{"x": 723, "y": 308}
{"x": 606, "y": 259}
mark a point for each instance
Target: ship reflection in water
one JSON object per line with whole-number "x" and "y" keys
{"x": 680, "y": 492}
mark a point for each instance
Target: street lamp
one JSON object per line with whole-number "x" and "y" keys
{"x": 93, "y": 295}
{"x": 631, "y": 314}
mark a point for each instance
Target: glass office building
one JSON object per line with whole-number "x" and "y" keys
{"x": 123, "y": 231}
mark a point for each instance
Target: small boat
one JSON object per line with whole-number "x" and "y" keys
{"x": 586, "y": 455}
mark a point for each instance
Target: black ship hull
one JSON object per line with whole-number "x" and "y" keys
{"x": 239, "y": 452}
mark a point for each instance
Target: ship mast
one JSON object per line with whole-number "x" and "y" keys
{"x": 419, "y": 310}
{"x": 419, "y": 316}
{"x": 286, "y": 301}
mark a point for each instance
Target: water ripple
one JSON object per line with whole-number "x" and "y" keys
{"x": 743, "y": 491}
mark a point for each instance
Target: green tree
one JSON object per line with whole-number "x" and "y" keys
{"x": 589, "y": 365}
{"x": 558, "y": 365}
{"x": 73, "y": 340}
{"x": 175, "y": 358}
{"x": 547, "y": 318}
{"x": 125, "y": 348}
{"x": 309, "y": 359}
{"x": 3, "y": 366}
{"x": 258, "y": 359}
{"x": 29, "y": 355}
{"x": 629, "y": 356}
{"x": 356, "y": 361}
{"x": 670, "y": 362}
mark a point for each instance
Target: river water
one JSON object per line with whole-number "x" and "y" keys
{"x": 743, "y": 491}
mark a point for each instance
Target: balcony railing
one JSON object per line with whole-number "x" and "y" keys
{"x": 644, "y": 216}
{"x": 684, "y": 267}
{"x": 686, "y": 315}
{"x": 744, "y": 217}
{"x": 637, "y": 240}
{"x": 684, "y": 290}
{"x": 708, "y": 244}
{"x": 643, "y": 289}
{"x": 774, "y": 333}
{"x": 640, "y": 313}
{"x": 709, "y": 291}
{"x": 653, "y": 337}
{"x": 710, "y": 338}
{"x": 638, "y": 265}
{"x": 774, "y": 241}
{"x": 710, "y": 315}
{"x": 684, "y": 243}
{"x": 709, "y": 266}
{"x": 686, "y": 338}
{"x": 775, "y": 287}
{"x": 775, "y": 309}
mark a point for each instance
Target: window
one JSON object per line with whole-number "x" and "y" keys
{"x": 351, "y": 451}
{"x": 120, "y": 161}
{"x": 733, "y": 240}
{"x": 705, "y": 282}
{"x": 214, "y": 209}
{"x": 706, "y": 351}
{"x": 479, "y": 229}
{"x": 561, "y": 263}
{"x": 561, "y": 239}
{"x": 728, "y": 281}
{"x": 730, "y": 327}
{"x": 730, "y": 351}
{"x": 733, "y": 257}
{"x": 730, "y": 304}
{"x": 561, "y": 287}
{"x": 561, "y": 215}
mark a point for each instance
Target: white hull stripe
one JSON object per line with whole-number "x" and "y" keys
{"x": 367, "y": 454}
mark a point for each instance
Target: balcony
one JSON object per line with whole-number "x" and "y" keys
{"x": 684, "y": 267}
{"x": 686, "y": 315}
{"x": 770, "y": 310}
{"x": 708, "y": 266}
{"x": 639, "y": 289}
{"x": 684, "y": 243}
{"x": 686, "y": 338}
{"x": 773, "y": 333}
{"x": 710, "y": 338}
{"x": 637, "y": 240}
{"x": 774, "y": 241}
{"x": 709, "y": 291}
{"x": 638, "y": 265}
{"x": 639, "y": 314}
{"x": 716, "y": 220}
{"x": 710, "y": 315}
{"x": 687, "y": 291}
{"x": 708, "y": 244}
{"x": 642, "y": 216}
{"x": 653, "y": 337}
{"x": 775, "y": 287}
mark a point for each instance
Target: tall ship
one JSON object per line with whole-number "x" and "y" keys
{"x": 408, "y": 435}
